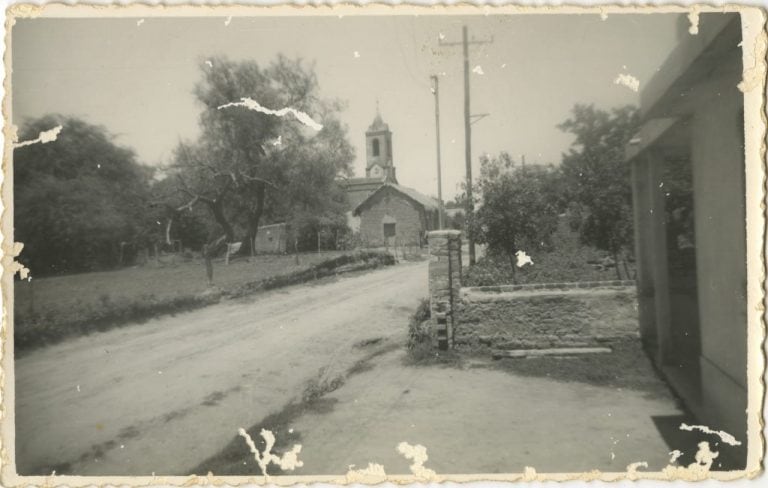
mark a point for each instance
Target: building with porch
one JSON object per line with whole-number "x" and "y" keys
{"x": 688, "y": 178}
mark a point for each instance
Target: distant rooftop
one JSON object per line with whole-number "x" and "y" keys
{"x": 425, "y": 201}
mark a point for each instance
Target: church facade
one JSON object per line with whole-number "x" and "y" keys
{"x": 382, "y": 211}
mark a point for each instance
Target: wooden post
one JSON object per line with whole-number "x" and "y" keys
{"x": 208, "y": 265}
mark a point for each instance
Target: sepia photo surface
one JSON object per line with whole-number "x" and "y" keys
{"x": 405, "y": 244}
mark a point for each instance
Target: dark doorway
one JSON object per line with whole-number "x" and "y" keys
{"x": 685, "y": 336}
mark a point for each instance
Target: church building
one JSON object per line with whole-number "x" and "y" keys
{"x": 381, "y": 210}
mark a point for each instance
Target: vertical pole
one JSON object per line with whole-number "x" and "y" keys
{"x": 468, "y": 145}
{"x": 660, "y": 264}
{"x": 439, "y": 175}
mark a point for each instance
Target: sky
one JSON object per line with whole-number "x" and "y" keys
{"x": 136, "y": 77}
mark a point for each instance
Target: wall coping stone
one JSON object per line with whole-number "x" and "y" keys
{"x": 482, "y": 297}
{"x": 551, "y": 286}
{"x": 444, "y": 233}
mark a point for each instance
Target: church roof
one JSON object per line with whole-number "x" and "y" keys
{"x": 351, "y": 183}
{"x": 428, "y": 203}
{"x": 378, "y": 124}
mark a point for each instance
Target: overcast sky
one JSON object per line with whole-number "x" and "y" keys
{"x": 136, "y": 79}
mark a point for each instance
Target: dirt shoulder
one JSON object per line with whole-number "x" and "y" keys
{"x": 479, "y": 416}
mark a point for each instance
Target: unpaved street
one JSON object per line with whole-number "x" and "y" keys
{"x": 162, "y": 396}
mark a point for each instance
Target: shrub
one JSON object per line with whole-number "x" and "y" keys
{"x": 569, "y": 261}
{"x": 418, "y": 333}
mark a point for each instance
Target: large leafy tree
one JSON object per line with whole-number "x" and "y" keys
{"x": 598, "y": 179}
{"x": 517, "y": 210}
{"x": 251, "y": 164}
{"x": 78, "y": 200}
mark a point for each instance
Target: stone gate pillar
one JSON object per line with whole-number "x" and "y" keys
{"x": 444, "y": 282}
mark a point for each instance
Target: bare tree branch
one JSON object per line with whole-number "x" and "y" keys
{"x": 262, "y": 180}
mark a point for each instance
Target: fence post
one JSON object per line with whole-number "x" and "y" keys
{"x": 444, "y": 282}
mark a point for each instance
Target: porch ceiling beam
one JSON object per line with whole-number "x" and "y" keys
{"x": 650, "y": 132}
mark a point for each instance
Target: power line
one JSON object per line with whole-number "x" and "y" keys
{"x": 465, "y": 42}
{"x": 435, "y": 90}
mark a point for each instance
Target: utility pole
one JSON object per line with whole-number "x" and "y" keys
{"x": 435, "y": 90}
{"x": 465, "y": 42}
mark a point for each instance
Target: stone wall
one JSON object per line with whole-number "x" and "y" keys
{"x": 444, "y": 282}
{"x": 523, "y": 316}
{"x": 540, "y": 317}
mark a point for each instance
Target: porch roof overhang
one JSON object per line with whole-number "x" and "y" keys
{"x": 696, "y": 57}
{"x": 668, "y": 137}
{"x": 671, "y": 96}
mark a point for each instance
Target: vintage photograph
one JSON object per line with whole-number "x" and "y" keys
{"x": 383, "y": 242}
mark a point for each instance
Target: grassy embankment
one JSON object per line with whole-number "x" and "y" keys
{"x": 48, "y": 310}
{"x": 570, "y": 261}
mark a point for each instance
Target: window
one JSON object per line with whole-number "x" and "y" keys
{"x": 389, "y": 230}
{"x": 375, "y": 147}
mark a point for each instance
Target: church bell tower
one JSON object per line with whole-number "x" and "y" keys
{"x": 378, "y": 148}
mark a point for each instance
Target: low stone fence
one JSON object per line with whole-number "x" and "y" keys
{"x": 541, "y": 317}
{"x": 523, "y": 316}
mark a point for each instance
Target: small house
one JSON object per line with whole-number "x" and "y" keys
{"x": 395, "y": 215}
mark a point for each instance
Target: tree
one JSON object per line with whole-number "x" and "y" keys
{"x": 248, "y": 163}
{"x": 177, "y": 218}
{"x": 78, "y": 200}
{"x": 517, "y": 210}
{"x": 598, "y": 179}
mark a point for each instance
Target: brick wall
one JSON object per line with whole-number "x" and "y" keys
{"x": 407, "y": 216}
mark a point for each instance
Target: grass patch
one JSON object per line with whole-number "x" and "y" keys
{"x": 115, "y": 298}
{"x": 50, "y": 327}
{"x": 421, "y": 349}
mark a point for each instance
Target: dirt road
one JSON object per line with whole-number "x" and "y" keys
{"x": 478, "y": 419}
{"x": 162, "y": 396}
